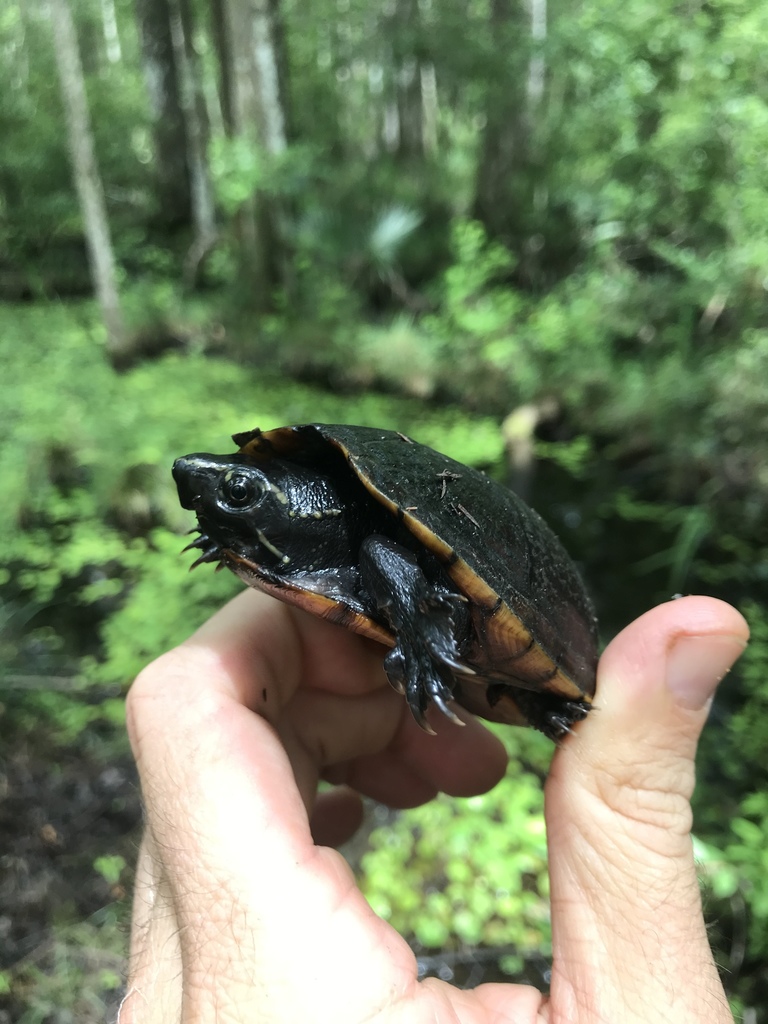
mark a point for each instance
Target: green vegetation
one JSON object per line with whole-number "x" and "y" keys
{"x": 435, "y": 244}
{"x": 470, "y": 872}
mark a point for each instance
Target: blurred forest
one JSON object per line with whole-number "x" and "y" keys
{"x": 532, "y": 235}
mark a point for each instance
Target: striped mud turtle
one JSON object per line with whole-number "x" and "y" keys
{"x": 467, "y": 585}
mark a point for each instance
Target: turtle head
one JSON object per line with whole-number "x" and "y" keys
{"x": 270, "y": 513}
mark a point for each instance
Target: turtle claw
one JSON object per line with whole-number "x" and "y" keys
{"x": 576, "y": 710}
{"x": 453, "y": 664}
{"x": 449, "y": 713}
{"x": 211, "y": 551}
{"x": 401, "y": 678}
{"x": 424, "y": 678}
{"x": 558, "y": 724}
{"x": 394, "y": 666}
{"x": 421, "y": 720}
{"x": 207, "y": 556}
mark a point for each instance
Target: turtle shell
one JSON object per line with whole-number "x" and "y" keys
{"x": 534, "y": 629}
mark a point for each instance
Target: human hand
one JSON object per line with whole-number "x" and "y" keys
{"x": 241, "y": 916}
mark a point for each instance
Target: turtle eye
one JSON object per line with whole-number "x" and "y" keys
{"x": 238, "y": 491}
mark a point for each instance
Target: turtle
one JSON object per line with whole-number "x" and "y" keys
{"x": 474, "y": 595}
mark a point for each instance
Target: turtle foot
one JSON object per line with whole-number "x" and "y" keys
{"x": 424, "y": 661}
{"x": 414, "y": 672}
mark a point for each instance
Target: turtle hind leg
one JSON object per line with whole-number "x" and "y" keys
{"x": 423, "y": 618}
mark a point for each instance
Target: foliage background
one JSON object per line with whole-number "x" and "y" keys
{"x": 563, "y": 283}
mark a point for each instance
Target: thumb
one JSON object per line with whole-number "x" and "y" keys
{"x": 628, "y": 929}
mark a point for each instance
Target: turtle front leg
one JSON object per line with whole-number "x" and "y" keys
{"x": 425, "y": 658}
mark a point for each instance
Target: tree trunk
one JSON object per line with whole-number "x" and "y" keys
{"x": 87, "y": 179}
{"x": 269, "y": 60}
{"x": 169, "y": 125}
{"x": 407, "y": 70}
{"x": 111, "y": 33}
{"x": 258, "y": 115}
{"x": 196, "y": 119}
{"x": 430, "y": 106}
{"x": 269, "y": 64}
{"x": 502, "y": 198}
{"x": 253, "y": 246}
{"x": 223, "y": 45}
{"x": 511, "y": 196}
{"x": 536, "y": 66}
{"x": 90, "y": 42}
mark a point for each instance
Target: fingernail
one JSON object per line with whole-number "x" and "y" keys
{"x": 696, "y": 664}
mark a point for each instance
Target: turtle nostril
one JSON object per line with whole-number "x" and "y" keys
{"x": 187, "y": 483}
